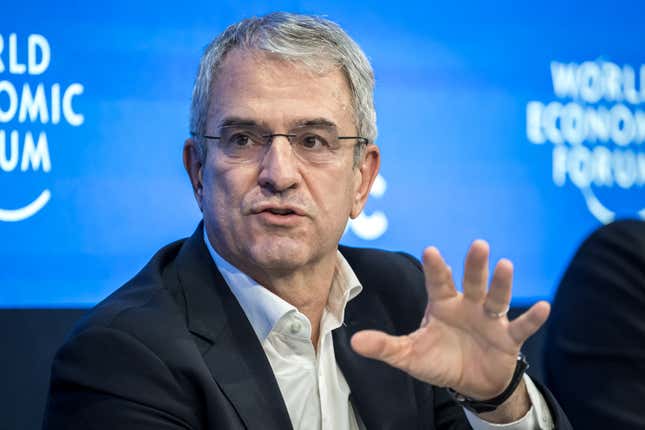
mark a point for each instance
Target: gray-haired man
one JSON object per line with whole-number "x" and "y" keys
{"x": 260, "y": 319}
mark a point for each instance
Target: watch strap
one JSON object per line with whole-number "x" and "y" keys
{"x": 479, "y": 406}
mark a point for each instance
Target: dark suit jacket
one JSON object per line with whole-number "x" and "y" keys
{"x": 173, "y": 349}
{"x": 595, "y": 344}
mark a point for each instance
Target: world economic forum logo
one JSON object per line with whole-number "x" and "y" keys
{"x": 26, "y": 99}
{"x": 597, "y": 131}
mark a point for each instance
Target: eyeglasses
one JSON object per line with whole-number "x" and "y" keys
{"x": 318, "y": 144}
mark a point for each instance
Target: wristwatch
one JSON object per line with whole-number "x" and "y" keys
{"x": 479, "y": 406}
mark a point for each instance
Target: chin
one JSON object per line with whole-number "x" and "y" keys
{"x": 281, "y": 254}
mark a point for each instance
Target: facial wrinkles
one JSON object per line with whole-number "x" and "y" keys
{"x": 255, "y": 200}
{"x": 271, "y": 102}
{"x": 269, "y": 98}
{"x": 255, "y": 197}
{"x": 272, "y": 106}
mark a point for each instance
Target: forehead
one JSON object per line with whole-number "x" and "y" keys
{"x": 278, "y": 93}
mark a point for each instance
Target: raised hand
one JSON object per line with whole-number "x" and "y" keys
{"x": 464, "y": 341}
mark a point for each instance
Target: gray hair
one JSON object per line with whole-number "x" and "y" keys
{"x": 316, "y": 42}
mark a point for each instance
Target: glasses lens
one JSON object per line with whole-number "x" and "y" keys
{"x": 316, "y": 144}
{"x": 240, "y": 144}
{"x": 313, "y": 144}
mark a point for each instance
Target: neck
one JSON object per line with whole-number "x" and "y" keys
{"x": 307, "y": 290}
{"x": 305, "y": 287}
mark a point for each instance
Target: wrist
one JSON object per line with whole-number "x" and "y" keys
{"x": 512, "y": 409}
{"x": 511, "y": 393}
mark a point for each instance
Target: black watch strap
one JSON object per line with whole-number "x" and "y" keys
{"x": 479, "y": 406}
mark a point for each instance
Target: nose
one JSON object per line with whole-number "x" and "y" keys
{"x": 279, "y": 169}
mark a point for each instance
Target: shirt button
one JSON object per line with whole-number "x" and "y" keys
{"x": 295, "y": 327}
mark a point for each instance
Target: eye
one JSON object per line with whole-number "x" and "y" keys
{"x": 240, "y": 139}
{"x": 313, "y": 141}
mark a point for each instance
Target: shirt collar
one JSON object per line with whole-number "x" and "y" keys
{"x": 264, "y": 309}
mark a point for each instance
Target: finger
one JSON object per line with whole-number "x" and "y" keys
{"x": 522, "y": 327}
{"x": 381, "y": 346}
{"x": 499, "y": 294}
{"x": 476, "y": 271}
{"x": 439, "y": 281}
{"x": 426, "y": 316}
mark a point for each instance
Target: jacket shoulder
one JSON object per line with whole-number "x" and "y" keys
{"x": 120, "y": 363}
{"x": 147, "y": 306}
{"x": 385, "y": 270}
{"x": 393, "y": 286}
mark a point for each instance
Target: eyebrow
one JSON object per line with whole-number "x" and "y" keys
{"x": 248, "y": 122}
{"x": 316, "y": 122}
{"x": 237, "y": 121}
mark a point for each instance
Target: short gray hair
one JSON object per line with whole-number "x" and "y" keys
{"x": 316, "y": 42}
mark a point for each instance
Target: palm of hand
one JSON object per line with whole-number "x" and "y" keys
{"x": 461, "y": 343}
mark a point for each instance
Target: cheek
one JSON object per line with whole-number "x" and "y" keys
{"x": 224, "y": 189}
{"x": 334, "y": 193}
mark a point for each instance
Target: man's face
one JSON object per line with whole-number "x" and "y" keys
{"x": 280, "y": 213}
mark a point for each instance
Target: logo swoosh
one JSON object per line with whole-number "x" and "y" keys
{"x": 599, "y": 210}
{"x": 12, "y": 215}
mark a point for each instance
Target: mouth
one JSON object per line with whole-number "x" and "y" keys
{"x": 280, "y": 211}
{"x": 279, "y": 215}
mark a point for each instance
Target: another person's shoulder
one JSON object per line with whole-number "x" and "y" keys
{"x": 624, "y": 232}
{"x": 613, "y": 254}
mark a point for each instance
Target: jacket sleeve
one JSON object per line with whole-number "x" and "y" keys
{"x": 448, "y": 415}
{"x": 559, "y": 417}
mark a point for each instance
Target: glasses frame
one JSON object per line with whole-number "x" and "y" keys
{"x": 361, "y": 140}
{"x": 269, "y": 138}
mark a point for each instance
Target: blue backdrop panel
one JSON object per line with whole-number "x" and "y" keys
{"x": 523, "y": 125}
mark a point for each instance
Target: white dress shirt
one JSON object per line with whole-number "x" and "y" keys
{"x": 313, "y": 387}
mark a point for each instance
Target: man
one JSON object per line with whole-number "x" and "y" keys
{"x": 248, "y": 323}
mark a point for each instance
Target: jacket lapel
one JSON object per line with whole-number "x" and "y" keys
{"x": 384, "y": 396}
{"x": 229, "y": 345}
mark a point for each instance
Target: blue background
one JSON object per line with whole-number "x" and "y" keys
{"x": 452, "y": 86}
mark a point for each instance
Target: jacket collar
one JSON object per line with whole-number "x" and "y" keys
{"x": 231, "y": 349}
{"x": 264, "y": 309}
{"x": 382, "y": 395}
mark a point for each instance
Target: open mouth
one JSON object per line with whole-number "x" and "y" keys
{"x": 278, "y": 216}
{"x": 280, "y": 211}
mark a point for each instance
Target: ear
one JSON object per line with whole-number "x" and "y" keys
{"x": 366, "y": 173}
{"x": 193, "y": 166}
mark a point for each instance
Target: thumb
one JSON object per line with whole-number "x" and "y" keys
{"x": 381, "y": 346}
